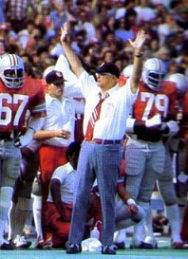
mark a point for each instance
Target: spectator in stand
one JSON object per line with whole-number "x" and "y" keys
{"x": 2, "y": 11}
{"x": 164, "y": 55}
{"x": 59, "y": 14}
{"x": 168, "y": 27}
{"x": 17, "y": 12}
{"x": 144, "y": 12}
{"x": 126, "y": 27}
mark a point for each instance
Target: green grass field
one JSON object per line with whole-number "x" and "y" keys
{"x": 163, "y": 252}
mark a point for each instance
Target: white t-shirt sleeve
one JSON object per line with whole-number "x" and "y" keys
{"x": 60, "y": 173}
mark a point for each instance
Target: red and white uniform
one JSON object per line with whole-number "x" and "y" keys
{"x": 145, "y": 154}
{"x": 184, "y": 229}
{"x": 15, "y": 104}
{"x": 149, "y": 103}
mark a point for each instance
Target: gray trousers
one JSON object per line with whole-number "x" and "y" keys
{"x": 101, "y": 162}
{"x": 10, "y": 162}
{"x": 144, "y": 162}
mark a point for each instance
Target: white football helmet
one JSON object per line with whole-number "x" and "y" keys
{"x": 153, "y": 73}
{"x": 12, "y": 70}
{"x": 181, "y": 82}
{"x": 128, "y": 70}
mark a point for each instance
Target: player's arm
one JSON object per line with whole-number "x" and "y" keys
{"x": 47, "y": 134}
{"x": 136, "y": 126}
{"x": 153, "y": 126}
{"x": 55, "y": 188}
{"x": 137, "y": 45}
{"x": 35, "y": 124}
{"x": 37, "y": 118}
{"x": 72, "y": 58}
{"x": 126, "y": 198}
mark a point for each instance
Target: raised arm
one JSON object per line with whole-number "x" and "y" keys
{"x": 72, "y": 58}
{"x": 137, "y": 45}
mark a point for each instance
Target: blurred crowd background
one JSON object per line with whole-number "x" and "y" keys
{"x": 100, "y": 30}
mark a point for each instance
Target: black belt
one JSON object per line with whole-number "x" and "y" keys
{"x": 105, "y": 141}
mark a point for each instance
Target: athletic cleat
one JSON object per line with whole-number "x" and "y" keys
{"x": 43, "y": 244}
{"x": 73, "y": 248}
{"x": 179, "y": 245}
{"x": 120, "y": 245}
{"x": 21, "y": 242}
{"x": 39, "y": 243}
{"x": 109, "y": 250}
{"x": 151, "y": 244}
{"x": 6, "y": 246}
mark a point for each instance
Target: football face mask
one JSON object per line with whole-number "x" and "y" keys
{"x": 12, "y": 70}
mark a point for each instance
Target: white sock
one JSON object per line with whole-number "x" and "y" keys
{"x": 37, "y": 205}
{"x": 149, "y": 224}
{"x": 17, "y": 216}
{"x": 5, "y": 200}
{"x": 139, "y": 231}
{"x": 120, "y": 236}
{"x": 173, "y": 216}
{"x": 181, "y": 210}
{"x": 11, "y": 221}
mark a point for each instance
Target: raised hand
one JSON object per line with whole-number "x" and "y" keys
{"x": 138, "y": 43}
{"x": 64, "y": 31}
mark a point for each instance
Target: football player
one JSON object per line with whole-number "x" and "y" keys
{"x": 18, "y": 95}
{"x": 152, "y": 118}
{"x": 184, "y": 176}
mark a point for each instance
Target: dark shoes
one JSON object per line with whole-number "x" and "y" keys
{"x": 73, "y": 248}
{"x": 76, "y": 248}
{"x": 6, "y": 246}
{"x": 120, "y": 245}
{"x": 179, "y": 245}
{"x": 109, "y": 249}
{"x": 21, "y": 242}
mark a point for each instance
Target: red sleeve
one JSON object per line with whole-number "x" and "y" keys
{"x": 37, "y": 99}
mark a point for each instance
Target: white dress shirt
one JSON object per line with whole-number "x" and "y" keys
{"x": 114, "y": 111}
{"x": 61, "y": 115}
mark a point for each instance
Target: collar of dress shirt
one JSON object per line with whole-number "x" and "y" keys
{"x": 50, "y": 99}
{"x": 111, "y": 90}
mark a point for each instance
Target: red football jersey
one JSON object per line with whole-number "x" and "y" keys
{"x": 185, "y": 108}
{"x": 184, "y": 123}
{"x": 15, "y": 104}
{"x": 149, "y": 103}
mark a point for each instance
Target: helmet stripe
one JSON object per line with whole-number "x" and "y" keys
{"x": 10, "y": 59}
{"x": 14, "y": 59}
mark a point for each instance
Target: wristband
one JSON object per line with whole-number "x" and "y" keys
{"x": 131, "y": 202}
{"x": 139, "y": 55}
